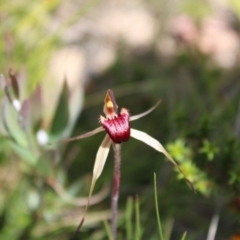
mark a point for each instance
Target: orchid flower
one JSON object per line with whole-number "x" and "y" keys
{"x": 117, "y": 127}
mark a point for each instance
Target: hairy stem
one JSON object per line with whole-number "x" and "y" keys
{"x": 115, "y": 190}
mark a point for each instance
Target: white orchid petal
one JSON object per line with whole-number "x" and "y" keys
{"x": 144, "y": 137}
{"x": 152, "y": 142}
{"x": 135, "y": 117}
{"x": 101, "y": 156}
{"x": 97, "y": 170}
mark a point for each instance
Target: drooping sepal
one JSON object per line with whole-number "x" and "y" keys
{"x": 97, "y": 170}
{"x": 152, "y": 142}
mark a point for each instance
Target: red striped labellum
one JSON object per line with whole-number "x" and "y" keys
{"x": 116, "y": 125}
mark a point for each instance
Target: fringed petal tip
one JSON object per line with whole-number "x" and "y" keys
{"x": 135, "y": 117}
{"x": 152, "y": 142}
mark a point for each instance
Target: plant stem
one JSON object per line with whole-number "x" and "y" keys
{"x": 115, "y": 190}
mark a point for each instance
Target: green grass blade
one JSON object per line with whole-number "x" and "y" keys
{"x": 129, "y": 212}
{"x": 138, "y": 225}
{"x": 184, "y": 235}
{"x": 168, "y": 228}
{"x": 157, "y": 210}
{"x": 108, "y": 231}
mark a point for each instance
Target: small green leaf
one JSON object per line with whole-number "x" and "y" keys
{"x": 10, "y": 120}
{"x": 209, "y": 149}
{"x": 25, "y": 154}
{"x": 61, "y": 117}
{"x": 36, "y": 103}
{"x": 44, "y": 166}
{"x": 179, "y": 150}
{"x": 234, "y": 178}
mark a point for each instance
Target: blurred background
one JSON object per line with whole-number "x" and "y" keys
{"x": 57, "y": 60}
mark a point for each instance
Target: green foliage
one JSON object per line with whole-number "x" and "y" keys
{"x": 235, "y": 6}
{"x": 197, "y": 118}
{"x": 197, "y": 9}
{"x": 183, "y": 155}
{"x": 27, "y": 39}
{"x": 36, "y": 167}
{"x": 209, "y": 149}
